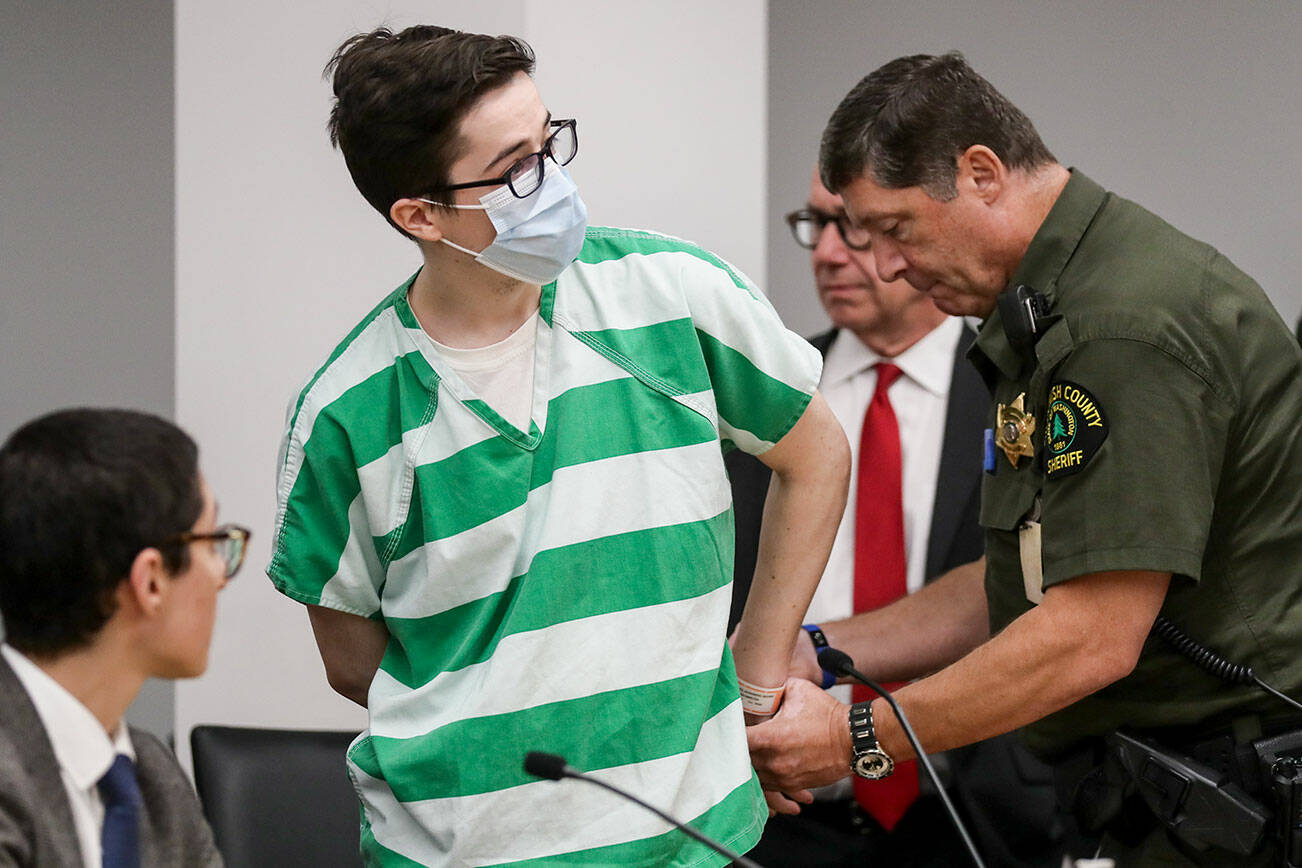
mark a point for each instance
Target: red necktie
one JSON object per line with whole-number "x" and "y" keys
{"x": 880, "y": 570}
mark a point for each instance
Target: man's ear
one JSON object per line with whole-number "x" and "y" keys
{"x": 982, "y": 172}
{"x": 416, "y": 218}
{"x": 146, "y": 585}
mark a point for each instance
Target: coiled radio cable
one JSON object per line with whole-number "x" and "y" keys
{"x": 1209, "y": 661}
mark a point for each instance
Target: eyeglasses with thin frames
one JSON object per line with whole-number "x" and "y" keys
{"x": 525, "y": 175}
{"x": 231, "y": 542}
{"x": 807, "y": 227}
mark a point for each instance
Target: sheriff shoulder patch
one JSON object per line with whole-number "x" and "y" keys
{"x": 1075, "y": 428}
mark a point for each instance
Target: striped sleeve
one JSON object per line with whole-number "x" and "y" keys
{"x": 645, "y": 295}
{"x": 323, "y": 552}
{"x": 763, "y": 375}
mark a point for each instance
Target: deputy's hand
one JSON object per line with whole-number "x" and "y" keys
{"x": 806, "y": 744}
{"x": 787, "y": 803}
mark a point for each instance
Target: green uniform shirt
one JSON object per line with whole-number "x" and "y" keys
{"x": 1167, "y": 398}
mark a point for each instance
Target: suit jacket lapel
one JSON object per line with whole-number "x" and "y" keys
{"x": 960, "y": 455}
{"x": 822, "y": 342}
{"x": 49, "y": 799}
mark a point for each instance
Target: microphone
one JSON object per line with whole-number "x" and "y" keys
{"x": 546, "y": 765}
{"x": 553, "y": 767}
{"x": 837, "y": 661}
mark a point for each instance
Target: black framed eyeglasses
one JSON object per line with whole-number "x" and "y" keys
{"x": 525, "y": 175}
{"x": 807, "y": 227}
{"x": 230, "y": 540}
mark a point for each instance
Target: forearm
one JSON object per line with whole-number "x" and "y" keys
{"x": 1020, "y": 676}
{"x": 1052, "y": 656}
{"x": 801, "y": 514}
{"x": 353, "y": 689}
{"x": 794, "y": 541}
{"x": 921, "y": 632}
{"x": 351, "y": 649}
{"x": 1085, "y": 634}
{"x": 1012, "y": 680}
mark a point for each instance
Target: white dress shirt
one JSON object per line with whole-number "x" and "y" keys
{"x": 919, "y": 397}
{"x": 81, "y": 746}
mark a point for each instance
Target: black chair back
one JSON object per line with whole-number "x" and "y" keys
{"x": 277, "y": 797}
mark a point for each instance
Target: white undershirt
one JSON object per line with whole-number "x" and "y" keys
{"x": 919, "y": 397}
{"x": 81, "y": 746}
{"x": 501, "y": 374}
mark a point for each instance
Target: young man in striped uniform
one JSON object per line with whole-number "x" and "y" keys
{"x": 503, "y": 496}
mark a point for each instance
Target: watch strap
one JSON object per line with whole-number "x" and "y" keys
{"x": 868, "y": 760}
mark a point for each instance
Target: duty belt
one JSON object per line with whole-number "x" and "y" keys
{"x": 1215, "y": 792}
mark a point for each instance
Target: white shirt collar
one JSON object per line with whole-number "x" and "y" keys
{"x": 929, "y": 362}
{"x": 82, "y": 747}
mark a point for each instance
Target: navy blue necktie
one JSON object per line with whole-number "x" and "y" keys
{"x": 120, "y": 839}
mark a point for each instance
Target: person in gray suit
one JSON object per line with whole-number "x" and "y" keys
{"x": 110, "y": 564}
{"x": 939, "y": 400}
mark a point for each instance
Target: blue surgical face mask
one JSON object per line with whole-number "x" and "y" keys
{"x": 537, "y": 236}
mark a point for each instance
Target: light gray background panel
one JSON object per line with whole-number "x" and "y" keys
{"x": 86, "y": 218}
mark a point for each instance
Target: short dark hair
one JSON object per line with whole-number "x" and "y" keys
{"x": 82, "y": 492}
{"x": 908, "y": 121}
{"x": 399, "y": 101}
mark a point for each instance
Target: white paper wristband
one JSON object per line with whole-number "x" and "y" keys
{"x": 759, "y": 700}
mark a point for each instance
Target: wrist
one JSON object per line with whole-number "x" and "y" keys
{"x": 758, "y": 701}
{"x": 842, "y": 741}
{"x": 890, "y": 735}
{"x": 819, "y": 640}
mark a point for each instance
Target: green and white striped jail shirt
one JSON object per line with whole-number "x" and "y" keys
{"x": 564, "y": 588}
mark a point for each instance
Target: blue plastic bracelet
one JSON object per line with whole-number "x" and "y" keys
{"x": 820, "y": 642}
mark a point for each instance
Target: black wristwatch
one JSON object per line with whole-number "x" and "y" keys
{"x": 868, "y": 760}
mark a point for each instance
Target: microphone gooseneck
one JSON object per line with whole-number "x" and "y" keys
{"x": 835, "y": 660}
{"x": 553, "y": 767}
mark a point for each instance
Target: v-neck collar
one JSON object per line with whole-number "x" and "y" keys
{"x": 461, "y": 390}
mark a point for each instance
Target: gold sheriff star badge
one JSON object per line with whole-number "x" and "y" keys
{"x": 1015, "y": 427}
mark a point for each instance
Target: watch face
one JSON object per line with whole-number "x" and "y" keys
{"x": 873, "y": 765}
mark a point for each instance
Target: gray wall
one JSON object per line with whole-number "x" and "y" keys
{"x": 86, "y": 218}
{"x": 1190, "y": 107}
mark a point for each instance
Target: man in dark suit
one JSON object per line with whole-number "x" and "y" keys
{"x": 110, "y": 565}
{"x": 896, "y": 376}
